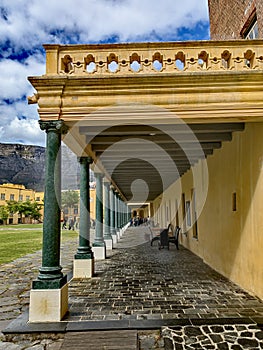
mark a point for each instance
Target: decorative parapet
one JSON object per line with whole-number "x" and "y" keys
{"x": 154, "y": 58}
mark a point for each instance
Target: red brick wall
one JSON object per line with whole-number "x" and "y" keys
{"x": 228, "y": 17}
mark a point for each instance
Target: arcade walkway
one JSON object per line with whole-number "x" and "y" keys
{"x": 143, "y": 283}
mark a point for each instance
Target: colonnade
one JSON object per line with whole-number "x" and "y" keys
{"x": 49, "y": 293}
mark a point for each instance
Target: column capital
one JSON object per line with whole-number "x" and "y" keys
{"x": 99, "y": 175}
{"x": 107, "y": 184}
{"x": 87, "y": 159}
{"x": 53, "y": 125}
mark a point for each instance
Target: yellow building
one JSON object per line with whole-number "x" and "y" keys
{"x": 18, "y": 193}
{"x": 74, "y": 211}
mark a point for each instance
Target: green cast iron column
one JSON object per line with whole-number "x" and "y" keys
{"x": 84, "y": 250}
{"x": 125, "y": 213}
{"x": 116, "y": 210}
{"x": 112, "y": 212}
{"x": 50, "y": 274}
{"x": 128, "y": 213}
{"x": 121, "y": 213}
{"x": 98, "y": 239}
{"x": 107, "y": 233}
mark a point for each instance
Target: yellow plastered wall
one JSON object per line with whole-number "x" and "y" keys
{"x": 15, "y": 192}
{"x": 229, "y": 241}
{"x": 232, "y": 241}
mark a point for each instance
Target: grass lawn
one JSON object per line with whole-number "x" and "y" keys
{"x": 19, "y": 240}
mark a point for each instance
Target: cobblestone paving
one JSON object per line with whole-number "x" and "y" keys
{"x": 16, "y": 279}
{"x": 143, "y": 282}
{"x": 139, "y": 282}
{"x": 225, "y": 337}
{"x": 15, "y": 283}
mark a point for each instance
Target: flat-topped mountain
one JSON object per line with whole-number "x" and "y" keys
{"x": 25, "y": 164}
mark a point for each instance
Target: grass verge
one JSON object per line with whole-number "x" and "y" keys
{"x": 19, "y": 240}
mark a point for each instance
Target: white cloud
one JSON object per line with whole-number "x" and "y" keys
{"x": 13, "y": 82}
{"x": 32, "y": 23}
{"x": 19, "y": 120}
{"x": 23, "y": 131}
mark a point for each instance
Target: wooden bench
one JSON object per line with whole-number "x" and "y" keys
{"x": 155, "y": 232}
{"x": 164, "y": 239}
{"x": 175, "y": 238}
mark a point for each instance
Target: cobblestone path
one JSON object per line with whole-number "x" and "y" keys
{"x": 16, "y": 278}
{"x": 15, "y": 283}
{"x": 139, "y": 282}
{"x": 145, "y": 283}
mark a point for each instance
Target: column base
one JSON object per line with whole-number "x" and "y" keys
{"x": 108, "y": 243}
{"x": 48, "y": 305}
{"x": 114, "y": 240}
{"x": 99, "y": 252}
{"x": 83, "y": 268}
{"x": 118, "y": 234}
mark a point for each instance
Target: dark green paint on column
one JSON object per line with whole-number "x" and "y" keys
{"x": 112, "y": 212}
{"x": 98, "y": 240}
{"x": 84, "y": 250}
{"x": 107, "y": 234}
{"x": 50, "y": 274}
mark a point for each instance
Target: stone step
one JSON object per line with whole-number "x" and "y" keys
{"x": 101, "y": 340}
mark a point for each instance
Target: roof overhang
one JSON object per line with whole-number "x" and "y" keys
{"x": 160, "y": 119}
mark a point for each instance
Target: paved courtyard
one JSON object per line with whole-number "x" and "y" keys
{"x": 139, "y": 286}
{"x": 145, "y": 283}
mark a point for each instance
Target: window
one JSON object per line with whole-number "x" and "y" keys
{"x": 188, "y": 213}
{"x": 38, "y": 199}
{"x": 21, "y": 197}
{"x": 183, "y": 212}
{"x": 2, "y": 196}
{"x": 176, "y": 213}
{"x": 252, "y": 32}
{"x": 75, "y": 210}
{"x": 250, "y": 28}
{"x": 194, "y": 215}
{"x": 27, "y": 198}
{"x": 234, "y": 201}
{"x": 12, "y": 197}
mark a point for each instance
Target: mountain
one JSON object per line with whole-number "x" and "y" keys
{"x": 25, "y": 164}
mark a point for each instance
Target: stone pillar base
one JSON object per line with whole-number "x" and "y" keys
{"x": 118, "y": 234}
{"x": 109, "y": 244}
{"x": 83, "y": 268}
{"x": 99, "y": 252}
{"x": 48, "y": 305}
{"x": 125, "y": 227}
{"x": 114, "y": 240}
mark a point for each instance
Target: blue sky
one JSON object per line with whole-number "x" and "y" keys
{"x": 26, "y": 25}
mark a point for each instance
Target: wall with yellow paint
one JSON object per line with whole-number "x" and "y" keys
{"x": 229, "y": 238}
{"x": 18, "y": 193}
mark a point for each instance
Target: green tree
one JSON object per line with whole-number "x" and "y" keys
{"x": 69, "y": 198}
{"x": 35, "y": 210}
{"x": 4, "y": 213}
{"x": 13, "y": 207}
{"x": 28, "y": 209}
